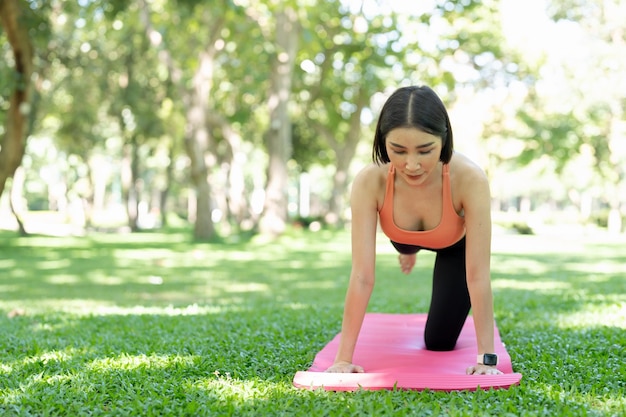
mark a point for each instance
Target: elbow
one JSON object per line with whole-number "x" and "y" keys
{"x": 478, "y": 272}
{"x": 363, "y": 281}
{"x": 478, "y": 280}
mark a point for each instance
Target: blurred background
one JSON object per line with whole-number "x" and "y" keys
{"x": 236, "y": 117}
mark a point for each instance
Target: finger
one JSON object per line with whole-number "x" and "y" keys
{"x": 470, "y": 370}
{"x": 359, "y": 369}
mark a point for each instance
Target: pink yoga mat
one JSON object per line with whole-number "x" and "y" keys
{"x": 391, "y": 350}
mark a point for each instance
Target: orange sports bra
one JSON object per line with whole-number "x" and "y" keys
{"x": 450, "y": 229}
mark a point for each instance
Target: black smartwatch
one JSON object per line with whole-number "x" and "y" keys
{"x": 489, "y": 359}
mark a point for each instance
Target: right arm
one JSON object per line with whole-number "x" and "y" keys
{"x": 364, "y": 209}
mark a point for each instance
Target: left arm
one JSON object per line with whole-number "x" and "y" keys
{"x": 477, "y": 211}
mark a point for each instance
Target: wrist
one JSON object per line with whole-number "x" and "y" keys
{"x": 488, "y": 359}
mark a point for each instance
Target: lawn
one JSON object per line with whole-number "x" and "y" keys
{"x": 153, "y": 324}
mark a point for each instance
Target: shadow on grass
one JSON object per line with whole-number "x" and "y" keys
{"x": 162, "y": 269}
{"x": 158, "y": 325}
{"x": 154, "y": 362}
{"x": 544, "y": 289}
{"x": 242, "y": 363}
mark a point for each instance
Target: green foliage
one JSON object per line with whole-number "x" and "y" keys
{"x": 152, "y": 324}
{"x": 103, "y": 82}
{"x": 6, "y": 74}
{"x": 112, "y": 8}
{"x": 308, "y": 147}
{"x": 458, "y": 7}
{"x": 35, "y": 17}
{"x": 583, "y": 120}
{"x": 551, "y": 135}
{"x": 560, "y": 136}
{"x": 574, "y": 10}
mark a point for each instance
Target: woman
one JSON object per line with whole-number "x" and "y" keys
{"x": 426, "y": 196}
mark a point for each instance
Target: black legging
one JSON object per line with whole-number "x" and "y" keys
{"x": 450, "y": 301}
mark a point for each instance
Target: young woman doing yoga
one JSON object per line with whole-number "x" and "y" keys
{"x": 425, "y": 196}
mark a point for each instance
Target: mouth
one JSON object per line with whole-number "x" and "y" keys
{"x": 413, "y": 176}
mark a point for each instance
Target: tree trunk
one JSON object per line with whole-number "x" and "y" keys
{"x": 345, "y": 152}
{"x": 130, "y": 174}
{"x": 235, "y": 203}
{"x": 278, "y": 138}
{"x": 196, "y": 101}
{"x": 617, "y": 157}
{"x": 92, "y": 195}
{"x": 13, "y": 143}
{"x": 197, "y": 144}
{"x": 16, "y": 199}
{"x": 340, "y": 185}
{"x": 204, "y": 229}
{"x": 165, "y": 191}
{"x": 173, "y": 87}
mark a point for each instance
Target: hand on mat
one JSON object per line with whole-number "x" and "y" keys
{"x": 407, "y": 262}
{"x": 479, "y": 369}
{"x": 344, "y": 368}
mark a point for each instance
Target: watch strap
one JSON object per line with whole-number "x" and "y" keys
{"x": 489, "y": 359}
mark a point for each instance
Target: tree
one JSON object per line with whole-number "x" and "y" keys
{"x": 136, "y": 92}
{"x": 598, "y": 83}
{"x": 103, "y": 102}
{"x": 576, "y": 107}
{"x": 212, "y": 83}
{"x": 249, "y": 87}
{"x": 343, "y": 62}
{"x": 278, "y": 137}
{"x": 12, "y": 142}
{"x": 355, "y": 55}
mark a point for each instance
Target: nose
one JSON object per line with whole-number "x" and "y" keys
{"x": 413, "y": 163}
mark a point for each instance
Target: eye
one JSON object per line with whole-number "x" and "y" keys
{"x": 426, "y": 152}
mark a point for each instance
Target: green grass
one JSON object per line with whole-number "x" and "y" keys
{"x": 152, "y": 324}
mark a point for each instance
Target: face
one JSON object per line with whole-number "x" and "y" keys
{"x": 414, "y": 154}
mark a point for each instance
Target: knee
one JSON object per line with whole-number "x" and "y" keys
{"x": 439, "y": 344}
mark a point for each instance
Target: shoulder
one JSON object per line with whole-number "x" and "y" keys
{"x": 469, "y": 184}
{"x": 371, "y": 176}
{"x": 369, "y": 184}
{"x": 465, "y": 174}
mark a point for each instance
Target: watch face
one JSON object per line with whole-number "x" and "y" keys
{"x": 490, "y": 359}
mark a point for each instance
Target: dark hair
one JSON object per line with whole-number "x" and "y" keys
{"x": 418, "y": 107}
